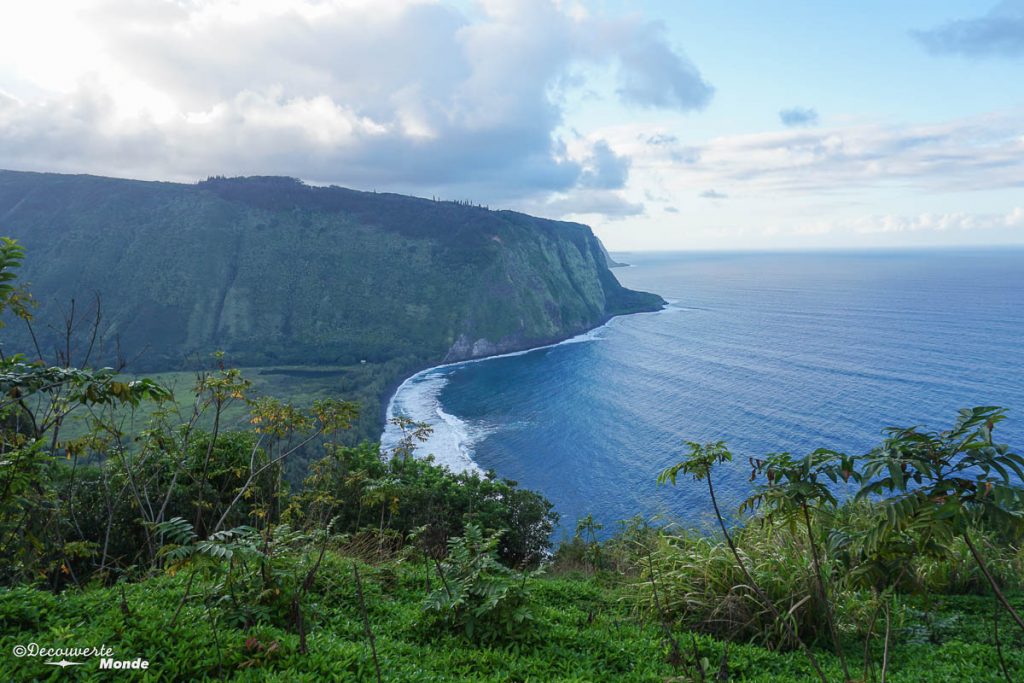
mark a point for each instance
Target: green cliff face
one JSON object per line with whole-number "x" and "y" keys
{"x": 275, "y": 272}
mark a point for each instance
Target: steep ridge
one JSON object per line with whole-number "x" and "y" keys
{"x": 275, "y": 272}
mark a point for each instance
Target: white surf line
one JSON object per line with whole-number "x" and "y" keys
{"x": 464, "y": 461}
{"x": 589, "y": 335}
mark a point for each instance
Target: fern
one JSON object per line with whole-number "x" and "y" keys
{"x": 479, "y": 595}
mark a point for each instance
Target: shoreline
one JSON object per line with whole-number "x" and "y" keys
{"x": 397, "y": 386}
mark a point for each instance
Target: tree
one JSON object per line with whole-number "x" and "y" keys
{"x": 795, "y": 488}
{"x": 35, "y": 398}
{"x": 940, "y": 483}
{"x": 586, "y": 533}
{"x": 13, "y": 298}
{"x": 698, "y": 464}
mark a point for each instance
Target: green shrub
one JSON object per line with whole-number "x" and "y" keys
{"x": 478, "y": 594}
{"x": 701, "y": 587}
{"x": 24, "y": 608}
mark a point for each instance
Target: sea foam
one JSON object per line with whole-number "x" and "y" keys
{"x": 453, "y": 439}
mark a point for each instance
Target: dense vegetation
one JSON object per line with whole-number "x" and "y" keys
{"x": 180, "y": 542}
{"x": 277, "y": 273}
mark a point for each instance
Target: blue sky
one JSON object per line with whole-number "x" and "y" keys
{"x": 847, "y": 59}
{"x": 664, "y": 125}
{"x": 853, "y": 65}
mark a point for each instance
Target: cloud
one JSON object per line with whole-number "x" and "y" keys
{"x": 652, "y": 74}
{"x": 670, "y": 145}
{"x": 606, "y": 169}
{"x": 1000, "y": 33}
{"x": 923, "y": 222}
{"x": 610, "y": 205}
{"x": 712, "y": 194}
{"x": 662, "y": 139}
{"x": 411, "y": 96}
{"x": 798, "y": 116}
{"x": 977, "y": 153}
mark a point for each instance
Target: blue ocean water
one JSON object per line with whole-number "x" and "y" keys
{"x": 769, "y": 352}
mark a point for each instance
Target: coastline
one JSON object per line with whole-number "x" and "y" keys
{"x": 397, "y": 384}
{"x": 395, "y": 389}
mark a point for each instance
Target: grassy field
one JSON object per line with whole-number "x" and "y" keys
{"x": 585, "y": 630}
{"x": 365, "y": 383}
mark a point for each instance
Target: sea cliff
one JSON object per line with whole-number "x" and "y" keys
{"x": 278, "y": 273}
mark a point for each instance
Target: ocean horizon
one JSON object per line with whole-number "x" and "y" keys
{"x": 768, "y": 351}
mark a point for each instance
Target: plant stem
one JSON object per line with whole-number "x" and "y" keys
{"x": 126, "y": 612}
{"x": 216, "y": 639}
{"x": 723, "y": 664}
{"x": 992, "y": 582}
{"x": 696, "y": 656}
{"x": 444, "y": 582}
{"x": 307, "y": 583}
{"x": 827, "y": 606}
{"x": 757, "y": 589}
{"x": 366, "y": 622}
{"x": 676, "y": 653}
{"x": 885, "y": 648}
{"x": 184, "y": 597}
{"x": 868, "y": 673}
{"x": 999, "y": 645}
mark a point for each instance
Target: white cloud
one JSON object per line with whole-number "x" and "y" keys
{"x": 979, "y": 153}
{"x": 875, "y": 224}
{"x": 586, "y": 204}
{"x": 941, "y": 222}
{"x": 412, "y": 95}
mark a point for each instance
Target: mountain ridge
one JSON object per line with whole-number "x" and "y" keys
{"x": 276, "y": 272}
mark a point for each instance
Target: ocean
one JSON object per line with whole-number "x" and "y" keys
{"x": 769, "y": 352}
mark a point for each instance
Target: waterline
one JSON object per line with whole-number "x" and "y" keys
{"x": 453, "y": 439}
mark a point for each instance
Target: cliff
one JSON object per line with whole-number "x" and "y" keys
{"x": 275, "y": 272}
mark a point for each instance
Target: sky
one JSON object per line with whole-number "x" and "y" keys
{"x": 663, "y": 124}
